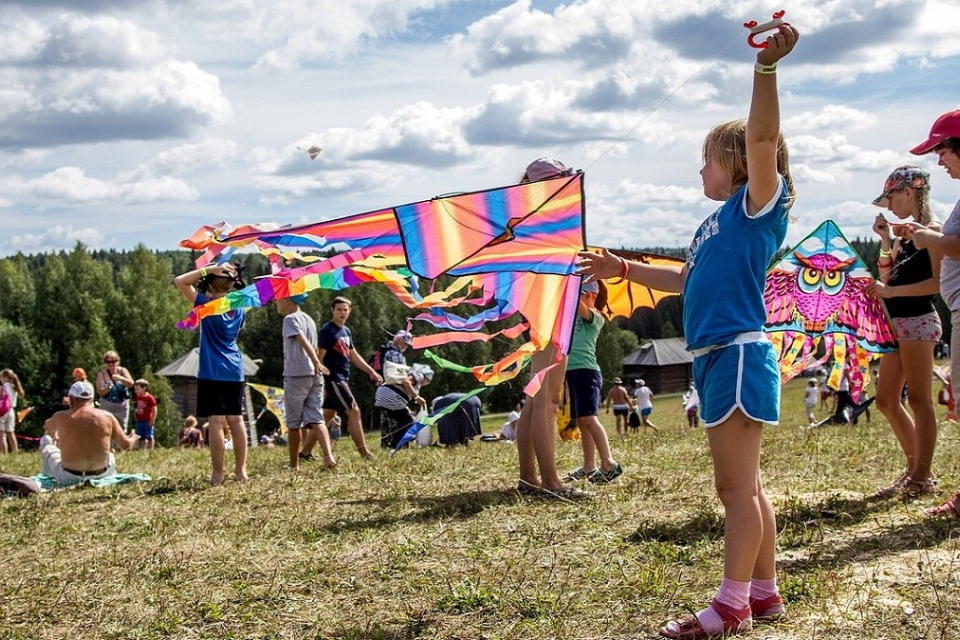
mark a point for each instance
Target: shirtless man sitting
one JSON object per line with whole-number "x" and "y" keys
{"x": 84, "y": 440}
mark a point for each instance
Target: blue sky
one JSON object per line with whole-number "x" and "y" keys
{"x": 137, "y": 121}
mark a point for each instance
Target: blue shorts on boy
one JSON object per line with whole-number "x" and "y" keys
{"x": 144, "y": 430}
{"x": 739, "y": 376}
{"x": 583, "y": 387}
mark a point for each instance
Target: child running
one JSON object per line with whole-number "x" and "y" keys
{"x": 810, "y": 401}
{"x": 735, "y": 368}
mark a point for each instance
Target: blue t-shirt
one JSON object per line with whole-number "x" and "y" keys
{"x": 220, "y": 357}
{"x": 727, "y": 269}
{"x": 338, "y": 343}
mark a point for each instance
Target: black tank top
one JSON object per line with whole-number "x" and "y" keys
{"x": 911, "y": 266}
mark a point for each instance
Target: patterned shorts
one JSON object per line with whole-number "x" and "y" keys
{"x": 919, "y": 328}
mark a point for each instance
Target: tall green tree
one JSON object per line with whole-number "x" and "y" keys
{"x": 143, "y": 318}
{"x": 17, "y": 294}
{"x": 73, "y": 293}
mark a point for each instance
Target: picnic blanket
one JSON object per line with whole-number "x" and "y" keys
{"x": 19, "y": 486}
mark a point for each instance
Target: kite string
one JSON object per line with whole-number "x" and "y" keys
{"x": 661, "y": 103}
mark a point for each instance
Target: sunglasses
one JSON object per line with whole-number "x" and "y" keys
{"x": 111, "y": 361}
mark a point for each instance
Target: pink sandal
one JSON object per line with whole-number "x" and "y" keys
{"x": 768, "y": 609}
{"x": 949, "y": 508}
{"x": 688, "y": 627}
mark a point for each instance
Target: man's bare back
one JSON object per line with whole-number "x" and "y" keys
{"x": 619, "y": 395}
{"x": 84, "y": 436}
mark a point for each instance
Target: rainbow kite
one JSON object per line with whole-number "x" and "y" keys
{"x": 512, "y": 251}
{"x": 817, "y": 310}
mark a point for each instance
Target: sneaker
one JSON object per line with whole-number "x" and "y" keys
{"x": 306, "y": 456}
{"x": 599, "y": 476}
{"x": 579, "y": 474}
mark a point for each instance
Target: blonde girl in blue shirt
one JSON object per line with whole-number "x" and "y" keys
{"x": 724, "y": 313}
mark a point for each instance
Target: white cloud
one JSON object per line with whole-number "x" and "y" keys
{"x": 589, "y": 32}
{"x": 58, "y": 237}
{"x": 93, "y": 79}
{"x": 832, "y": 117}
{"x": 71, "y": 185}
{"x": 91, "y": 95}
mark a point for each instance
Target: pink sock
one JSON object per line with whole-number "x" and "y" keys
{"x": 761, "y": 589}
{"x": 733, "y": 594}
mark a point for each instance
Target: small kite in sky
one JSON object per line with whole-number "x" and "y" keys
{"x": 312, "y": 151}
{"x": 817, "y": 310}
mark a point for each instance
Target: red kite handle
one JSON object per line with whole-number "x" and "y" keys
{"x": 757, "y": 28}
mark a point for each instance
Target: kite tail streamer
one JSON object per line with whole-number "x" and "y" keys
{"x": 429, "y": 421}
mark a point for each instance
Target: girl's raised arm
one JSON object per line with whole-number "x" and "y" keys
{"x": 763, "y": 123}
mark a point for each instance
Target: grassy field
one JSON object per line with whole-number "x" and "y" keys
{"x": 436, "y": 543}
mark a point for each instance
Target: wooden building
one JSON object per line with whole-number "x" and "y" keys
{"x": 664, "y": 365}
{"x": 182, "y": 375}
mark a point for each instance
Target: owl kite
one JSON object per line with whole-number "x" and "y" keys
{"x": 817, "y": 310}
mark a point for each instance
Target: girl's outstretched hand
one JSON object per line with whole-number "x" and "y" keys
{"x": 906, "y": 230}
{"x": 779, "y": 44}
{"x": 598, "y": 266}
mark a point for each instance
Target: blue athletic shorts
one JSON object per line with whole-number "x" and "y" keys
{"x": 583, "y": 385}
{"x": 646, "y": 411}
{"x": 738, "y": 376}
{"x": 144, "y": 430}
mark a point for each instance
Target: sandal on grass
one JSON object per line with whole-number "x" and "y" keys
{"x": 768, "y": 609}
{"x": 895, "y": 487}
{"x": 688, "y": 627}
{"x": 526, "y": 489}
{"x": 949, "y": 508}
{"x": 566, "y": 493}
{"x": 916, "y": 488}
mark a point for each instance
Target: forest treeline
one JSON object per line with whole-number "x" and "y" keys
{"x": 64, "y": 310}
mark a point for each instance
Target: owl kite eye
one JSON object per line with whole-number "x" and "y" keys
{"x": 811, "y": 276}
{"x": 833, "y": 281}
{"x": 809, "y": 280}
{"x": 832, "y": 278}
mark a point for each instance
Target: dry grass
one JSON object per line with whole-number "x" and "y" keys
{"x": 437, "y": 544}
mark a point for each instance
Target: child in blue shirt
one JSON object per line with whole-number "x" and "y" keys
{"x": 735, "y": 367}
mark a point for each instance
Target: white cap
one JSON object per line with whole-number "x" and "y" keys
{"x": 81, "y": 389}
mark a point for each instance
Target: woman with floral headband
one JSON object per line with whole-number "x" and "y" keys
{"x": 909, "y": 280}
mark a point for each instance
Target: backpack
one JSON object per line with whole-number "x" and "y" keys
{"x": 376, "y": 360}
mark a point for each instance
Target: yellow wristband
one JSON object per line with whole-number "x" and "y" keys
{"x": 765, "y": 69}
{"x": 885, "y": 254}
{"x": 203, "y": 272}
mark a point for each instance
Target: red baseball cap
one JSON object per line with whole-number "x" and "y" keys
{"x": 946, "y": 126}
